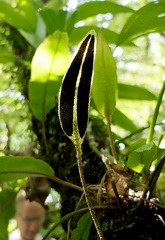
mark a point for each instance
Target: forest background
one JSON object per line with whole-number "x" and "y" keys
{"x": 37, "y": 42}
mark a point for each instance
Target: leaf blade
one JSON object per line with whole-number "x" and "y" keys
{"x": 23, "y": 16}
{"x": 83, "y": 228}
{"x": 104, "y": 88}
{"x": 134, "y": 92}
{"x": 150, "y": 18}
{"x": 12, "y": 168}
{"x": 75, "y": 91}
{"x": 78, "y": 33}
{"x": 142, "y": 157}
{"x": 52, "y": 56}
{"x": 93, "y": 8}
{"x": 123, "y": 121}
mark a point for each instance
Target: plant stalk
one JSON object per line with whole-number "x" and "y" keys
{"x": 44, "y": 136}
{"x": 155, "y": 115}
{"x": 69, "y": 215}
{"x": 89, "y": 204}
{"x": 113, "y": 148}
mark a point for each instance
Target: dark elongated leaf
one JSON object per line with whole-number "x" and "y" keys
{"x": 84, "y": 89}
{"x": 12, "y": 168}
{"x": 148, "y": 19}
{"x": 75, "y": 91}
{"x": 134, "y": 92}
{"x": 104, "y": 88}
{"x": 23, "y": 16}
{"x": 83, "y": 228}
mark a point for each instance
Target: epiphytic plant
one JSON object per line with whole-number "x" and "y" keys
{"x": 74, "y": 105}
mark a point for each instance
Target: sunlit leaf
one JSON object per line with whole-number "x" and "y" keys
{"x": 142, "y": 157}
{"x": 83, "y": 228}
{"x": 49, "y": 64}
{"x": 134, "y": 92}
{"x": 12, "y": 168}
{"x": 104, "y": 88}
{"x": 148, "y": 19}
{"x": 7, "y": 210}
{"x": 21, "y": 16}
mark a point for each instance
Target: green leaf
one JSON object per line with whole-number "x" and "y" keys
{"x": 50, "y": 15}
{"x": 104, "y": 88}
{"x": 92, "y": 8}
{"x": 83, "y": 228}
{"x": 7, "y": 210}
{"x": 160, "y": 153}
{"x": 77, "y": 34}
{"x": 6, "y": 56}
{"x": 142, "y": 157}
{"x": 135, "y": 145}
{"x": 148, "y": 19}
{"x": 123, "y": 121}
{"x": 75, "y": 91}
{"x": 134, "y": 92}
{"x": 12, "y": 168}
{"x": 23, "y": 16}
{"x": 49, "y": 64}
{"x": 37, "y": 37}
